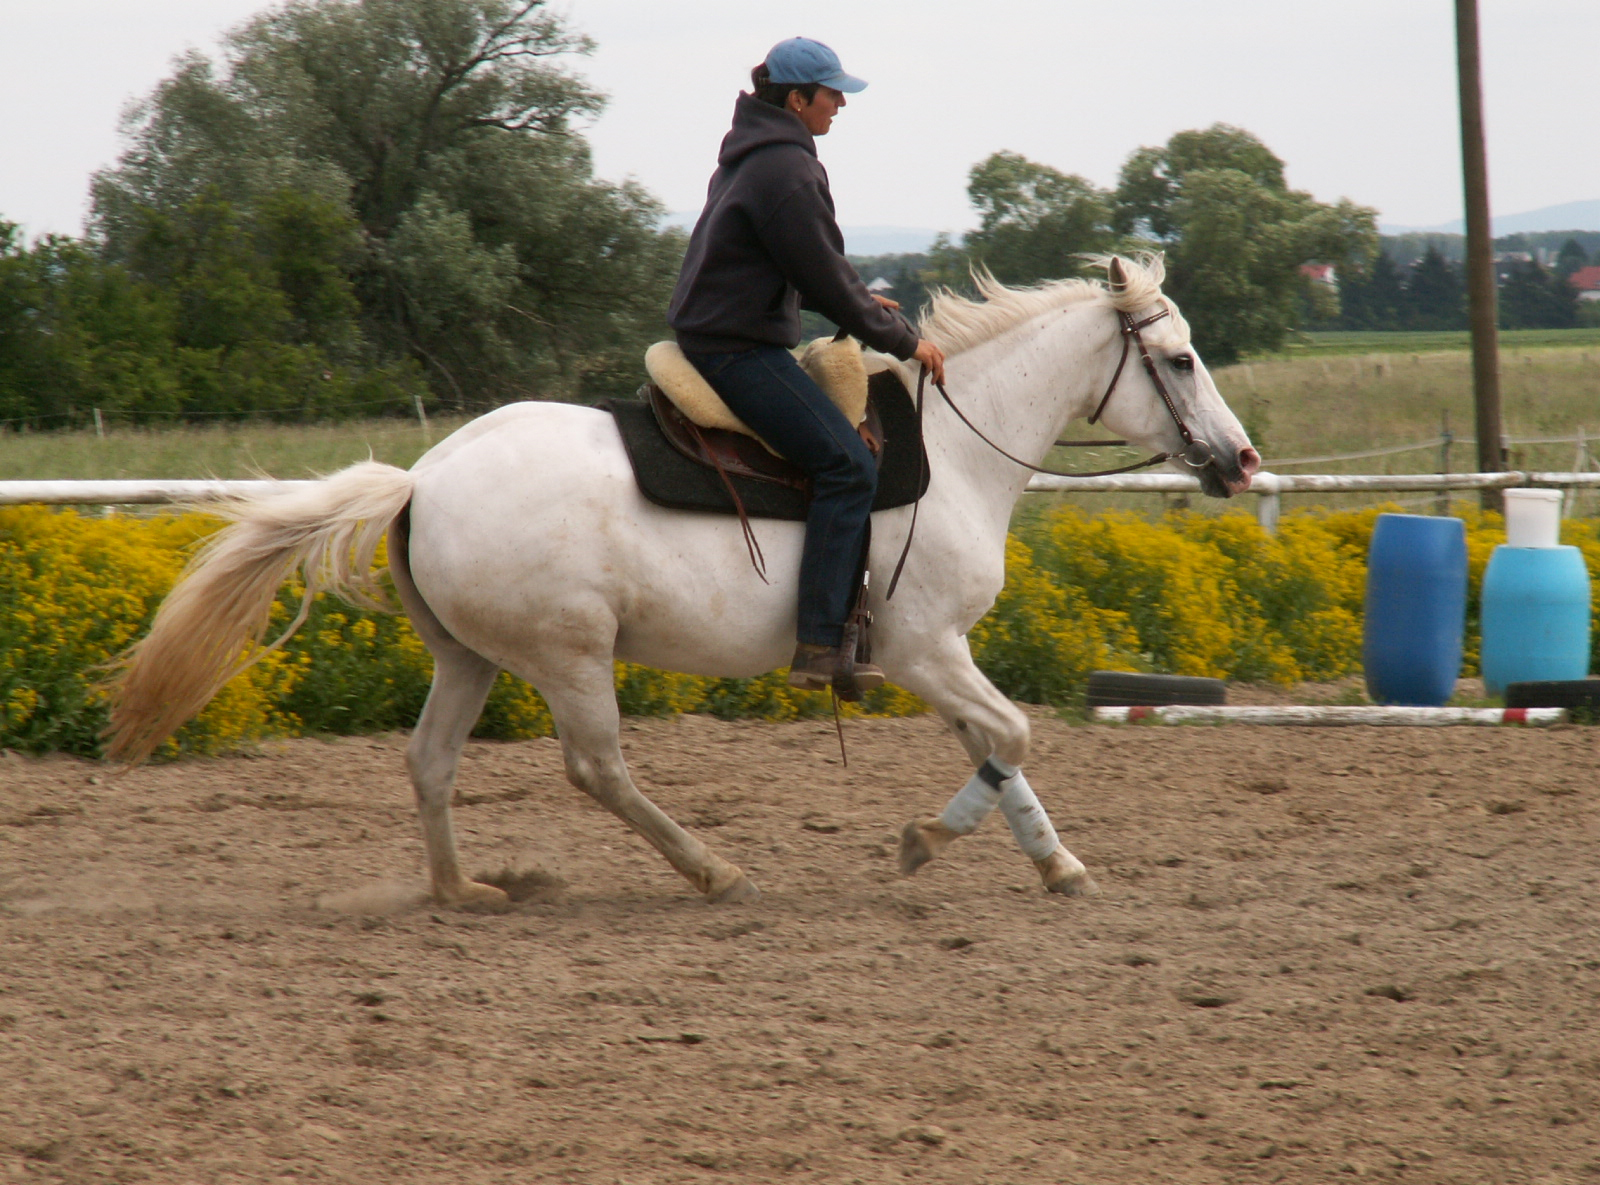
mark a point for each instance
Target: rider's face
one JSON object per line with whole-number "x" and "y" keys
{"x": 818, "y": 114}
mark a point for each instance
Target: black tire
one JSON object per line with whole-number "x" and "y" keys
{"x": 1115, "y": 689}
{"x": 1554, "y": 693}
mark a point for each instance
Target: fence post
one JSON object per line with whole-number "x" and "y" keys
{"x": 1580, "y": 464}
{"x": 422, "y": 418}
{"x": 99, "y": 425}
{"x": 1446, "y": 438}
{"x": 1269, "y": 501}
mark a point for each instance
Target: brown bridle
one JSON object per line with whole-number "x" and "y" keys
{"x": 1196, "y": 454}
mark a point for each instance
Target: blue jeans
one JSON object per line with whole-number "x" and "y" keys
{"x": 766, "y": 388}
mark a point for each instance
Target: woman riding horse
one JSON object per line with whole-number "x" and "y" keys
{"x": 766, "y": 244}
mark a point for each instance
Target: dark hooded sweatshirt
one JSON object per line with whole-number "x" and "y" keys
{"x": 766, "y": 243}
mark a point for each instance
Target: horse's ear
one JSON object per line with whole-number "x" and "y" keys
{"x": 1117, "y": 276}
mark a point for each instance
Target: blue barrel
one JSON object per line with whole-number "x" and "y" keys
{"x": 1535, "y": 616}
{"x": 1416, "y": 609}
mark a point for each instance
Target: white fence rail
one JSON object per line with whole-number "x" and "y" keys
{"x": 131, "y": 493}
{"x": 1268, "y": 488}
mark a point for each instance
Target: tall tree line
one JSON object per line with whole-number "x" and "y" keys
{"x": 1430, "y": 294}
{"x": 1215, "y": 201}
{"x": 358, "y": 202}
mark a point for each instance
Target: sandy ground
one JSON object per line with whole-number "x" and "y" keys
{"x": 1320, "y": 955}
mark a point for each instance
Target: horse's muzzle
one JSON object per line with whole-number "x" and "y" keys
{"x": 1218, "y": 480}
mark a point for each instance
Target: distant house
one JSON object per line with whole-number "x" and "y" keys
{"x": 1320, "y": 273}
{"x": 1587, "y": 281}
{"x": 879, "y": 285}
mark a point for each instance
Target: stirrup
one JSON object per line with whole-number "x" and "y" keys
{"x": 817, "y": 668}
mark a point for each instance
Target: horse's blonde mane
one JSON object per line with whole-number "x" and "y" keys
{"x": 955, "y": 323}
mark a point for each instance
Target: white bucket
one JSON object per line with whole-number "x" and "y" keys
{"x": 1533, "y": 518}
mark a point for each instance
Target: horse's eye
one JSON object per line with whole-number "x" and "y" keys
{"x": 1184, "y": 362}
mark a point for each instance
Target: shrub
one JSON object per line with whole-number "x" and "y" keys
{"x": 76, "y": 590}
{"x": 1186, "y": 595}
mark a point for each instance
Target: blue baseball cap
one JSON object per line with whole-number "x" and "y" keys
{"x": 801, "y": 60}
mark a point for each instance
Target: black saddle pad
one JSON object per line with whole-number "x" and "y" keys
{"x": 668, "y": 478}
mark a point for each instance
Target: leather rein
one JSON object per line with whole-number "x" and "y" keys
{"x": 1196, "y": 452}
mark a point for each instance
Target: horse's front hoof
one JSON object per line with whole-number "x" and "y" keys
{"x": 1082, "y": 885}
{"x": 922, "y": 841}
{"x": 740, "y": 890}
{"x": 474, "y": 897}
{"x": 1062, "y": 874}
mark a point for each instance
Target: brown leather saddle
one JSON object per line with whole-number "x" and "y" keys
{"x": 675, "y": 467}
{"x": 733, "y": 454}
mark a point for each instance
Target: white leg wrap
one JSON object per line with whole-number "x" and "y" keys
{"x": 1029, "y": 823}
{"x": 974, "y": 801}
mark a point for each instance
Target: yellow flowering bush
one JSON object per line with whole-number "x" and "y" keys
{"x": 1185, "y": 594}
{"x": 1043, "y": 636}
{"x": 74, "y": 591}
{"x": 1218, "y": 596}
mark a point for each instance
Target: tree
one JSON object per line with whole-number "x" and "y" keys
{"x": 1151, "y": 182}
{"x": 906, "y": 273}
{"x": 76, "y": 334}
{"x": 1436, "y": 294}
{"x": 1035, "y": 221}
{"x": 1236, "y": 235}
{"x": 1375, "y": 300}
{"x": 486, "y": 250}
{"x": 1533, "y": 298}
{"x": 1571, "y": 258}
{"x": 215, "y": 312}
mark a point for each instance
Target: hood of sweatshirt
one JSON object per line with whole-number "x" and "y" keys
{"x": 756, "y": 125}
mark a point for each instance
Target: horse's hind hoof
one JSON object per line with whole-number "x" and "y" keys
{"x": 473, "y": 897}
{"x": 739, "y": 891}
{"x": 921, "y": 841}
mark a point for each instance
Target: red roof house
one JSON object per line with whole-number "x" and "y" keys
{"x": 1587, "y": 281}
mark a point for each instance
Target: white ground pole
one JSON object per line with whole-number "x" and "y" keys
{"x": 1331, "y": 714}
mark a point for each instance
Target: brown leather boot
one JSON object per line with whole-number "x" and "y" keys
{"x": 815, "y": 667}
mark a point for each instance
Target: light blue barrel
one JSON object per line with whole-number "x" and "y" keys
{"x": 1535, "y": 616}
{"x": 1416, "y": 609}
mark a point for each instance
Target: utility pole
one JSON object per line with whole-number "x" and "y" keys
{"x": 1480, "y": 250}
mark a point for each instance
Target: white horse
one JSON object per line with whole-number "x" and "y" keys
{"x": 522, "y": 543}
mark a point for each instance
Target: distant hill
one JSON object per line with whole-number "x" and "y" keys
{"x": 1567, "y": 216}
{"x": 858, "y": 240}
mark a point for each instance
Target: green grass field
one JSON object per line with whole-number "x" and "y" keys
{"x": 1341, "y": 393}
{"x": 1314, "y": 344}
{"x": 226, "y": 451}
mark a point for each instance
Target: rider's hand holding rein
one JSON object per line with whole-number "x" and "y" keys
{"x": 930, "y": 355}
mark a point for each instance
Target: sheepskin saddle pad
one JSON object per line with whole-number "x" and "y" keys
{"x": 834, "y": 364}
{"x": 672, "y": 462}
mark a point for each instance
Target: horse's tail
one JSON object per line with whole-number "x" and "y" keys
{"x": 210, "y": 627}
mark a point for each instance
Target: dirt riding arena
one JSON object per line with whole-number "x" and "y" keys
{"x": 1320, "y": 955}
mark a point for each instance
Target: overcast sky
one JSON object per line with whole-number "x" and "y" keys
{"x": 1358, "y": 96}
